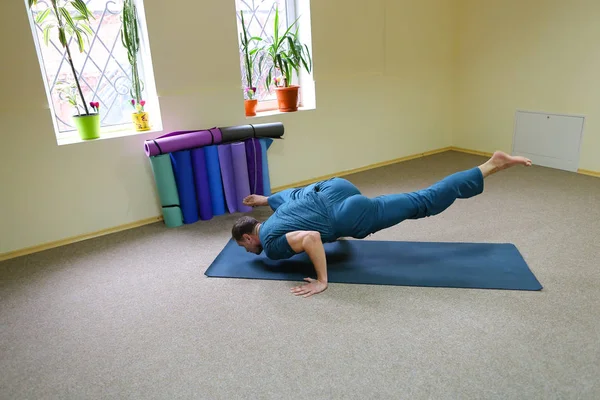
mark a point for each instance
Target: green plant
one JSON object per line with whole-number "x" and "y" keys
{"x": 71, "y": 18}
{"x": 286, "y": 53}
{"x": 249, "y": 57}
{"x": 67, "y": 91}
{"x": 131, "y": 41}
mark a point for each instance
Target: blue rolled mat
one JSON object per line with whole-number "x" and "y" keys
{"x": 201, "y": 182}
{"x": 184, "y": 176}
{"x": 264, "y": 145}
{"x": 214, "y": 179}
{"x": 429, "y": 264}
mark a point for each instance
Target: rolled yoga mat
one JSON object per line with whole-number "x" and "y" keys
{"x": 240, "y": 171}
{"x": 214, "y": 180}
{"x": 242, "y": 132}
{"x": 429, "y": 264}
{"x": 173, "y": 216}
{"x": 254, "y": 161}
{"x": 228, "y": 176}
{"x": 264, "y": 145}
{"x": 184, "y": 176}
{"x": 202, "y": 186}
{"x": 167, "y": 189}
{"x": 182, "y": 140}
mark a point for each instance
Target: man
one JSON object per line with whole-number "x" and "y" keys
{"x": 305, "y": 218}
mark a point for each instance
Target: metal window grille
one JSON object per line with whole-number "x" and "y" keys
{"x": 259, "y": 16}
{"x": 103, "y": 68}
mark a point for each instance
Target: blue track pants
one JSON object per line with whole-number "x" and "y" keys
{"x": 358, "y": 216}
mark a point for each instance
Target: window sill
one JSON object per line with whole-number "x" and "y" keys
{"x": 108, "y": 133}
{"x": 268, "y": 113}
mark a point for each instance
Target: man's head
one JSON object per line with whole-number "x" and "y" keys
{"x": 244, "y": 232}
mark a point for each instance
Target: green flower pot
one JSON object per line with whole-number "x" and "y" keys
{"x": 88, "y": 126}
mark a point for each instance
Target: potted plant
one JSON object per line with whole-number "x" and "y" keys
{"x": 250, "y": 101}
{"x": 72, "y": 19}
{"x": 287, "y": 56}
{"x": 131, "y": 41}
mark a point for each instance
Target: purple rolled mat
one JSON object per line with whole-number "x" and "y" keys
{"x": 182, "y": 140}
{"x": 240, "y": 170}
{"x": 254, "y": 160}
{"x": 228, "y": 177}
{"x": 202, "y": 186}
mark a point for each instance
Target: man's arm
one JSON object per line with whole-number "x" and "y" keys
{"x": 310, "y": 242}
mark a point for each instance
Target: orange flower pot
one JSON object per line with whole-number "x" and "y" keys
{"x": 287, "y": 98}
{"x": 250, "y": 106}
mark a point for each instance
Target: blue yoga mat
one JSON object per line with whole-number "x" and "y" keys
{"x": 214, "y": 179}
{"x": 430, "y": 264}
{"x": 264, "y": 145}
{"x": 184, "y": 176}
{"x": 201, "y": 182}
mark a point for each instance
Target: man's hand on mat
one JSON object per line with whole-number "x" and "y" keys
{"x": 310, "y": 242}
{"x": 313, "y": 287}
{"x": 255, "y": 200}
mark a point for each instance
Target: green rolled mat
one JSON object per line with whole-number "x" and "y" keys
{"x": 173, "y": 216}
{"x": 165, "y": 180}
{"x": 167, "y": 189}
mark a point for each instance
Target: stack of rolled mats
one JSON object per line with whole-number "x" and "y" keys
{"x": 205, "y": 173}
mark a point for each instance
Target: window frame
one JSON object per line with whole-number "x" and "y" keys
{"x": 125, "y": 128}
{"x": 271, "y": 104}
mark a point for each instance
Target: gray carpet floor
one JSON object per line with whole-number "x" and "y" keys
{"x": 132, "y": 315}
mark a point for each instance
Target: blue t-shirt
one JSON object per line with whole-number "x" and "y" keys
{"x": 308, "y": 213}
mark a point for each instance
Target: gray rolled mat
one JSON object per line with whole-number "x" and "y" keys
{"x": 272, "y": 130}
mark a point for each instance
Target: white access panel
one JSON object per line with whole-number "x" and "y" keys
{"x": 549, "y": 140}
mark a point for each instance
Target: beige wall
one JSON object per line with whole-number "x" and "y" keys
{"x": 384, "y": 90}
{"x": 533, "y": 55}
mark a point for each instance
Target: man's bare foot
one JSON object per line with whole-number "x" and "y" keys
{"x": 500, "y": 161}
{"x": 255, "y": 200}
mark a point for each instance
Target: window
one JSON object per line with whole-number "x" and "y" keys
{"x": 103, "y": 68}
{"x": 259, "y": 18}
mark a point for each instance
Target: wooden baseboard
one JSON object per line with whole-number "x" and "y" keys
{"x": 63, "y": 242}
{"x": 474, "y": 152}
{"x": 361, "y": 169}
{"x": 79, "y": 238}
{"x": 588, "y": 172}
{"x": 482, "y": 153}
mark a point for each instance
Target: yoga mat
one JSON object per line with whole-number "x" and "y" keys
{"x": 202, "y": 186}
{"x": 182, "y": 140}
{"x": 226, "y": 163}
{"x": 172, "y": 216}
{"x": 430, "y": 264}
{"x": 254, "y": 161}
{"x": 243, "y": 132}
{"x": 264, "y": 145}
{"x": 240, "y": 171}
{"x": 214, "y": 180}
{"x": 186, "y": 140}
{"x": 165, "y": 180}
{"x": 184, "y": 176}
